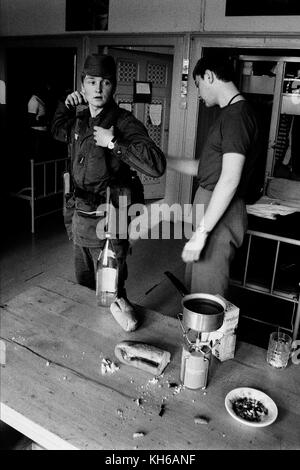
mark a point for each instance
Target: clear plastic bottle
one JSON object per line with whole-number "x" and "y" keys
{"x": 107, "y": 275}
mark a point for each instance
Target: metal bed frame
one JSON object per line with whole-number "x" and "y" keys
{"x": 52, "y": 171}
{"x": 289, "y": 296}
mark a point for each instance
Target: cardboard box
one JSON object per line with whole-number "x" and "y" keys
{"x": 225, "y": 349}
{"x": 224, "y": 339}
{"x": 231, "y": 317}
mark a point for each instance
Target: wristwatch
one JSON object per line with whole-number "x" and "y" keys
{"x": 111, "y": 144}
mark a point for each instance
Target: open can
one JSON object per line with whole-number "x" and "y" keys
{"x": 195, "y": 366}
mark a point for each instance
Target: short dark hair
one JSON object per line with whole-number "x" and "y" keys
{"x": 218, "y": 63}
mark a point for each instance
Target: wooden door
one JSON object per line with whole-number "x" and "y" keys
{"x": 157, "y": 69}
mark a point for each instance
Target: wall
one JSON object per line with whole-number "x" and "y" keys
{"x": 27, "y": 17}
{"x": 215, "y": 20}
{"x": 37, "y": 17}
{"x": 154, "y": 16}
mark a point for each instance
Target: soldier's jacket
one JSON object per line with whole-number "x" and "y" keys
{"x": 93, "y": 168}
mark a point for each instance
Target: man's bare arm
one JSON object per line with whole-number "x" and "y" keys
{"x": 222, "y": 195}
{"x": 183, "y": 165}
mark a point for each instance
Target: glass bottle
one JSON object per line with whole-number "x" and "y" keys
{"x": 107, "y": 275}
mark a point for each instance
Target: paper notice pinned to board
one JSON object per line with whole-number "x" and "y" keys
{"x": 155, "y": 111}
{"x": 143, "y": 88}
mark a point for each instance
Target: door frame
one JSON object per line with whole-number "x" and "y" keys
{"x": 237, "y": 41}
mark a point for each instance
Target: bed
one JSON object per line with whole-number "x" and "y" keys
{"x": 273, "y": 237}
{"x": 45, "y": 188}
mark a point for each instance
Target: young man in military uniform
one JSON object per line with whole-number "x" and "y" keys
{"x": 106, "y": 143}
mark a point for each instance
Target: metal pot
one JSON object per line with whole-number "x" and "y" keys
{"x": 201, "y": 312}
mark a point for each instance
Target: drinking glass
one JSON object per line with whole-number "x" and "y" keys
{"x": 279, "y": 349}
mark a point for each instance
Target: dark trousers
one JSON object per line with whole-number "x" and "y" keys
{"x": 210, "y": 274}
{"x": 86, "y": 264}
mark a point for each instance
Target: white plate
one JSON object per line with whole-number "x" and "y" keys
{"x": 245, "y": 392}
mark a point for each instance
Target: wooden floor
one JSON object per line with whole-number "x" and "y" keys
{"x": 26, "y": 258}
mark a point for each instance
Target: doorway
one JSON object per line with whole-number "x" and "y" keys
{"x": 152, "y": 68}
{"x": 27, "y": 68}
{"x": 261, "y": 100}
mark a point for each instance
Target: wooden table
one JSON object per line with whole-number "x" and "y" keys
{"x": 52, "y": 389}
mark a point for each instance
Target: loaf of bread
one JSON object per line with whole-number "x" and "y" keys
{"x": 124, "y": 314}
{"x": 143, "y": 356}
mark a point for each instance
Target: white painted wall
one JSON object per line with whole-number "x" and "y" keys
{"x": 36, "y": 17}
{"x": 215, "y": 20}
{"x": 28, "y": 17}
{"x": 154, "y": 15}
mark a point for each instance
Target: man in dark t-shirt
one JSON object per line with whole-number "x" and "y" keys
{"x": 223, "y": 171}
{"x": 234, "y": 131}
